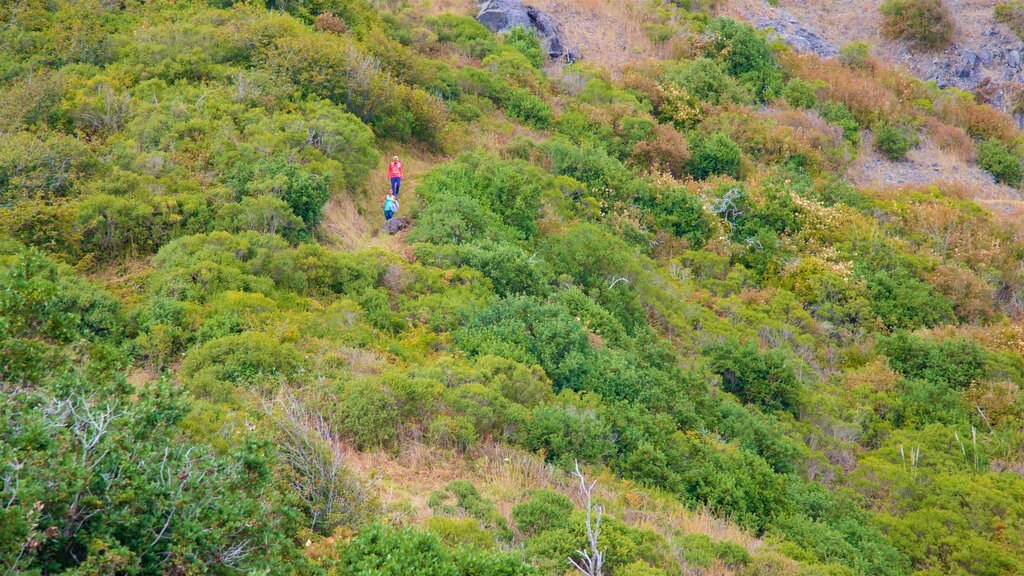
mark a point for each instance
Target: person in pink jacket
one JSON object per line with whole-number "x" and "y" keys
{"x": 395, "y": 174}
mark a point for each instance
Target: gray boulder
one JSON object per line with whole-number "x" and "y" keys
{"x": 396, "y": 225}
{"x": 502, "y": 15}
{"x": 1013, "y": 59}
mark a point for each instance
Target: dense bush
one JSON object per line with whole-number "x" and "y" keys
{"x": 684, "y": 215}
{"x": 1001, "y": 162}
{"x": 763, "y": 378}
{"x": 833, "y": 371}
{"x": 527, "y": 42}
{"x": 509, "y": 189}
{"x": 926, "y": 24}
{"x": 713, "y": 155}
{"x": 894, "y": 140}
{"x": 382, "y": 551}
{"x": 544, "y": 510}
{"x": 747, "y": 56}
{"x": 855, "y": 55}
{"x": 800, "y": 94}
{"x": 305, "y": 192}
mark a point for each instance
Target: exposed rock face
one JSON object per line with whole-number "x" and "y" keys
{"x": 796, "y": 35}
{"x": 501, "y": 15}
{"x": 396, "y": 225}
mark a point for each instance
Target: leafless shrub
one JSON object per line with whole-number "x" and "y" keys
{"x": 333, "y": 494}
{"x": 591, "y": 561}
{"x": 107, "y": 115}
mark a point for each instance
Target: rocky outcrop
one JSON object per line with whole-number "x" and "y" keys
{"x": 396, "y": 225}
{"x": 502, "y": 15}
{"x": 796, "y": 35}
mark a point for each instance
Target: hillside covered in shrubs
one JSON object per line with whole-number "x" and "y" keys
{"x": 654, "y": 276}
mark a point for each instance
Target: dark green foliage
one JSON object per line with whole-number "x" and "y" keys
{"x": 700, "y": 550}
{"x": 511, "y": 269}
{"x": 1000, "y": 161}
{"x": 683, "y": 214}
{"x": 954, "y": 362}
{"x": 527, "y": 108}
{"x": 42, "y": 311}
{"x": 470, "y": 36}
{"x": 254, "y": 361}
{"x": 763, "y": 378}
{"x": 591, "y": 164}
{"x": 713, "y": 155}
{"x": 566, "y": 433}
{"x": 903, "y": 301}
{"x": 367, "y": 414}
{"x": 894, "y": 140}
{"x": 747, "y": 57}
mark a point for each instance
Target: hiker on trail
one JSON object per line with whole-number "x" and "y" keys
{"x": 395, "y": 174}
{"x": 390, "y": 207}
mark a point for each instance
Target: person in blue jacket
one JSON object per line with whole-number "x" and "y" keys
{"x": 390, "y": 206}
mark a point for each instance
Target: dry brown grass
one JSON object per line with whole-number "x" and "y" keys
{"x": 858, "y": 89}
{"x": 505, "y": 475}
{"x": 979, "y": 120}
{"x": 951, "y": 139}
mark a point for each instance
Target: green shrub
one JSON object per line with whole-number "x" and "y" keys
{"x": 252, "y": 360}
{"x": 382, "y": 551}
{"x": 450, "y": 219}
{"x": 683, "y": 214}
{"x": 713, "y": 155}
{"x": 903, "y": 301}
{"x": 527, "y": 42}
{"x": 472, "y": 38}
{"x": 955, "y": 362}
{"x": 473, "y": 189}
{"x": 565, "y": 434}
{"x": 763, "y": 378}
{"x": 700, "y": 550}
{"x": 855, "y": 55}
{"x": 511, "y": 269}
{"x": 460, "y": 532}
{"x": 926, "y": 24}
{"x": 545, "y": 510}
{"x": 708, "y": 81}
{"x": 838, "y": 114}
{"x": 366, "y": 413}
{"x": 527, "y": 108}
{"x": 894, "y": 140}
{"x": 305, "y": 192}
{"x": 1000, "y": 161}
{"x": 800, "y": 93}
{"x": 747, "y": 56}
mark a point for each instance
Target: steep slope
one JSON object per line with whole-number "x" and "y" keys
{"x": 747, "y": 292}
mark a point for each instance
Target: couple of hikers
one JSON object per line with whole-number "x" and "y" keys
{"x": 395, "y": 174}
